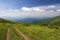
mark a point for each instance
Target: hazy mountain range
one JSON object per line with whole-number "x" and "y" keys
{"x": 53, "y": 20}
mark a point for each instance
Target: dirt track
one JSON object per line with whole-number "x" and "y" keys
{"x": 7, "y": 34}
{"x": 22, "y": 34}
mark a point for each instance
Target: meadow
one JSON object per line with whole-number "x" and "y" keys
{"x": 13, "y": 35}
{"x": 3, "y": 28}
{"x": 34, "y": 32}
{"x": 47, "y": 30}
{"x": 40, "y": 32}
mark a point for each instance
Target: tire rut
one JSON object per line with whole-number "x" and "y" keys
{"x": 7, "y": 34}
{"x": 22, "y": 34}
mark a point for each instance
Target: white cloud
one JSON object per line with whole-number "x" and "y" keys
{"x": 58, "y": 10}
{"x": 16, "y": 10}
{"x": 39, "y": 8}
{"x": 32, "y": 9}
{"x": 51, "y": 11}
{"x": 51, "y": 6}
{"x": 10, "y": 9}
{"x": 2, "y": 11}
{"x": 40, "y": 11}
{"x": 26, "y": 9}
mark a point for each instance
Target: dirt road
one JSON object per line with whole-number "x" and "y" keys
{"x": 22, "y": 34}
{"x": 7, "y": 34}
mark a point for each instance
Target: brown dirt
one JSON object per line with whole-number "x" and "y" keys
{"x": 22, "y": 34}
{"x": 7, "y": 34}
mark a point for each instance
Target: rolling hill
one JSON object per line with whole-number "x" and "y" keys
{"x": 34, "y": 32}
{"x": 5, "y": 21}
{"x": 54, "y": 20}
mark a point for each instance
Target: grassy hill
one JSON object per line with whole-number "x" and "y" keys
{"x": 4, "y": 25}
{"x": 47, "y": 21}
{"x": 55, "y": 20}
{"x": 4, "y": 21}
{"x": 42, "y": 29}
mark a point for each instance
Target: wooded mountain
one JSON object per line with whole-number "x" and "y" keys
{"x": 54, "y": 20}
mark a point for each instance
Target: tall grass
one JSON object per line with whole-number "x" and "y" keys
{"x": 3, "y": 28}
{"x": 14, "y": 35}
{"x": 37, "y": 32}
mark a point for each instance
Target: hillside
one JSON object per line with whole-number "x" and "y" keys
{"x": 55, "y": 20}
{"x": 34, "y": 32}
{"x": 5, "y": 21}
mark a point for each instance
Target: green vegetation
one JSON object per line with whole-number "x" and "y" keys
{"x": 55, "y": 20}
{"x": 3, "y": 28}
{"x": 14, "y": 35}
{"x": 38, "y": 32}
{"x": 47, "y": 29}
{"x": 4, "y": 25}
{"x": 4, "y": 21}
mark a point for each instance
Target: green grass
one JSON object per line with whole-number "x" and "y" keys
{"x": 3, "y": 27}
{"x": 14, "y": 35}
{"x": 37, "y": 32}
{"x": 49, "y": 29}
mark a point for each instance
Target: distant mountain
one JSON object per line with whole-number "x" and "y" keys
{"x": 34, "y": 20}
{"x": 27, "y": 20}
{"x": 53, "y": 20}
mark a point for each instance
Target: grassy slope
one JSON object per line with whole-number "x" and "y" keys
{"x": 42, "y": 32}
{"x": 37, "y": 32}
{"x": 3, "y": 27}
{"x": 4, "y": 24}
{"x": 14, "y": 35}
{"x": 55, "y": 20}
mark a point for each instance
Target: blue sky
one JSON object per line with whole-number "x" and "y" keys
{"x": 29, "y": 8}
{"x": 14, "y": 4}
